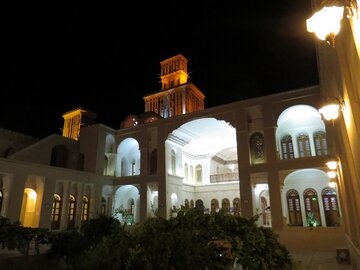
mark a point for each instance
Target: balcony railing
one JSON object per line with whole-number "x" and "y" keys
{"x": 224, "y": 177}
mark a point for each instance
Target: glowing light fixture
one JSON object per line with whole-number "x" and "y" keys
{"x": 32, "y": 195}
{"x": 330, "y": 110}
{"x": 332, "y": 164}
{"x": 332, "y": 183}
{"x": 331, "y": 174}
{"x": 326, "y": 22}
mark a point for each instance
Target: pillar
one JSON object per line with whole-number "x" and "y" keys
{"x": 16, "y": 196}
{"x": 47, "y": 202}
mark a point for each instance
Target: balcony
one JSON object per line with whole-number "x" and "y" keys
{"x": 224, "y": 177}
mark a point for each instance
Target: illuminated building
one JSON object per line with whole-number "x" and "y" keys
{"x": 265, "y": 155}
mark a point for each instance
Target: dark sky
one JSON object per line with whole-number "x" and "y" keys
{"x": 105, "y": 55}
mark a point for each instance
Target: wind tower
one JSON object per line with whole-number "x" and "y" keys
{"x": 74, "y": 120}
{"x": 178, "y": 96}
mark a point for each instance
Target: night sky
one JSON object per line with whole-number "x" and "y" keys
{"x": 102, "y": 56}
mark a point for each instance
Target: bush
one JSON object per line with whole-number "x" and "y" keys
{"x": 192, "y": 240}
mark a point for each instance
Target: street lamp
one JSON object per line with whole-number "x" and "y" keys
{"x": 325, "y": 23}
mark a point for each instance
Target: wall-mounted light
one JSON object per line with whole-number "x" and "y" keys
{"x": 331, "y": 174}
{"x": 326, "y": 22}
{"x": 332, "y": 183}
{"x": 332, "y": 163}
{"x": 330, "y": 109}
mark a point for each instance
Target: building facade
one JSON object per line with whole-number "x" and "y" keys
{"x": 264, "y": 156}
{"x": 339, "y": 69}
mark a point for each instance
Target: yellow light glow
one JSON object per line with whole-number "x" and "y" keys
{"x": 32, "y": 195}
{"x": 330, "y": 112}
{"x": 347, "y": 116}
{"x": 325, "y": 22}
{"x": 332, "y": 184}
{"x": 331, "y": 165}
{"x": 331, "y": 174}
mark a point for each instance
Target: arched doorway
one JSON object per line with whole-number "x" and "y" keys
{"x": 331, "y": 208}
{"x": 312, "y": 207}
{"x": 28, "y": 208}
{"x": 293, "y": 201}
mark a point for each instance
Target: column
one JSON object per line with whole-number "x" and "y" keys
{"x": 65, "y": 205}
{"x": 16, "y": 196}
{"x": 161, "y": 172}
{"x": 246, "y": 195}
{"x": 95, "y": 201}
{"x": 143, "y": 202}
{"x": 275, "y": 201}
{"x": 47, "y": 202}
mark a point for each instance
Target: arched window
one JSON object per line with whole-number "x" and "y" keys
{"x": 294, "y": 208}
{"x": 225, "y": 204}
{"x": 257, "y": 148}
{"x": 199, "y": 204}
{"x": 173, "y": 162}
{"x": 287, "y": 147}
{"x": 304, "y": 145}
{"x": 85, "y": 209}
{"x": 56, "y": 212}
{"x": 103, "y": 206}
{"x": 320, "y": 143}
{"x": 191, "y": 173}
{"x": 187, "y": 205}
{"x": 214, "y": 205}
{"x": 237, "y": 206}
{"x": 312, "y": 206}
{"x": 186, "y": 171}
{"x": 72, "y": 212}
{"x": 1, "y": 200}
{"x": 331, "y": 208}
{"x": 198, "y": 174}
{"x": 191, "y": 204}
